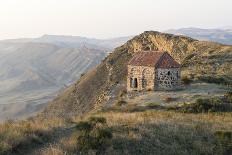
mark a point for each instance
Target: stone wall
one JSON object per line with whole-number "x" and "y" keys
{"x": 167, "y": 78}
{"x": 145, "y": 77}
{"x": 149, "y": 78}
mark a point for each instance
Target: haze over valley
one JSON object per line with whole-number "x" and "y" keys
{"x": 34, "y": 70}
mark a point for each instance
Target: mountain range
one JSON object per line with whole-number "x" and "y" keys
{"x": 34, "y": 70}
{"x": 222, "y": 35}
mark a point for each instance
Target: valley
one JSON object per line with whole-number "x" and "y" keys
{"x": 33, "y": 71}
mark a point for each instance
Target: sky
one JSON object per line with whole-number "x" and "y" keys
{"x": 108, "y": 18}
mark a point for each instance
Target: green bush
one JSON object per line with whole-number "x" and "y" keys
{"x": 214, "y": 79}
{"x": 215, "y": 104}
{"x": 121, "y": 103}
{"x": 4, "y": 147}
{"x": 186, "y": 80}
{"x": 93, "y": 135}
{"x": 224, "y": 139}
{"x": 228, "y": 96}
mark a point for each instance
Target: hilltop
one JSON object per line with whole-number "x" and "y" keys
{"x": 201, "y": 60}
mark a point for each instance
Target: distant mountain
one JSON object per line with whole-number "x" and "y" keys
{"x": 33, "y": 70}
{"x": 76, "y": 41}
{"x": 223, "y": 35}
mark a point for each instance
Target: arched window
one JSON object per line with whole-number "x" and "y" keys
{"x": 133, "y": 82}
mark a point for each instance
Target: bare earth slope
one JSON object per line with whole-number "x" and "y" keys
{"x": 98, "y": 85}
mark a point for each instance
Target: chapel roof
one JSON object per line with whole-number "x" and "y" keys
{"x": 158, "y": 59}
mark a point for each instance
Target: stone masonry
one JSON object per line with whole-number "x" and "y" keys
{"x": 153, "y": 71}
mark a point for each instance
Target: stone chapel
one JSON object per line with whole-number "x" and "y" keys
{"x": 153, "y": 70}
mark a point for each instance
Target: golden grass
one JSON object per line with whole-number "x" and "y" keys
{"x": 15, "y": 134}
{"x": 216, "y": 120}
{"x": 52, "y": 150}
{"x": 160, "y": 132}
{"x": 147, "y": 132}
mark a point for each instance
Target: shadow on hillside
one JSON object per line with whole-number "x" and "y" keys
{"x": 33, "y": 144}
{"x": 132, "y": 108}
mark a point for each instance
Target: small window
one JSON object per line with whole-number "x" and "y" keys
{"x": 168, "y": 72}
{"x": 144, "y": 83}
{"x": 133, "y": 83}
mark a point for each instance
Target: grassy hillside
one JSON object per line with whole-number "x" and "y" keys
{"x": 200, "y": 61}
{"x": 156, "y": 132}
{"x": 133, "y": 132}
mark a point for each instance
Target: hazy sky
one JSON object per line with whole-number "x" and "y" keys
{"x": 108, "y": 18}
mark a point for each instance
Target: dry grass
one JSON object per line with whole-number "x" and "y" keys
{"x": 23, "y": 134}
{"x": 52, "y": 150}
{"x": 158, "y": 132}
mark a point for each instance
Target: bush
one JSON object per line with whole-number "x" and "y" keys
{"x": 224, "y": 139}
{"x": 121, "y": 103}
{"x": 214, "y": 79}
{"x": 82, "y": 74}
{"x": 169, "y": 99}
{"x": 228, "y": 96}
{"x": 94, "y": 135}
{"x": 207, "y": 105}
{"x": 186, "y": 80}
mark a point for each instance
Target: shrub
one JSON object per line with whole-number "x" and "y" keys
{"x": 82, "y": 74}
{"x": 224, "y": 139}
{"x": 122, "y": 93}
{"x": 121, "y": 103}
{"x": 94, "y": 135}
{"x": 206, "y": 105}
{"x": 4, "y": 147}
{"x": 214, "y": 79}
{"x": 228, "y": 96}
{"x": 169, "y": 99}
{"x": 186, "y": 80}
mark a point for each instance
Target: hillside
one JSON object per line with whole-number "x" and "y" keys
{"x": 34, "y": 70}
{"x": 200, "y": 60}
{"x": 223, "y": 36}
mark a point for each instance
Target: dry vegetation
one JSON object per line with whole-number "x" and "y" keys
{"x": 18, "y": 137}
{"x": 157, "y": 132}
{"x": 135, "y": 130}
